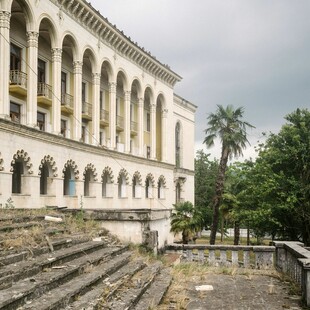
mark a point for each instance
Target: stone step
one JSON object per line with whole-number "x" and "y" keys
{"x": 30, "y": 288}
{"x": 157, "y": 290}
{"x": 61, "y": 296}
{"x": 33, "y": 266}
{"x": 8, "y": 258}
{"x": 106, "y": 289}
{"x": 128, "y": 295}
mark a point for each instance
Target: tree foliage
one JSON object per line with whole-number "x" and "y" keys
{"x": 186, "y": 219}
{"x": 228, "y": 125}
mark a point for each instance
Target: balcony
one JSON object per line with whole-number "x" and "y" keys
{"x": 87, "y": 110}
{"x": 104, "y": 117}
{"x": 133, "y": 128}
{"x": 44, "y": 94}
{"x": 119, "y": 123}
{"x": 18, "y": 82}
{"x": 67, "y": 103}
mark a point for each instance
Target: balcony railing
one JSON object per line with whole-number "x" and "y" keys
{"x": 44, "y": 93}
{"x": 120, "y": 122}
{"x": 134, "y": 126}
{"x": 104, "y": 115}
{"x": 67, "y": 102}
{"x": 18, "y": 78}
{"x": 87, "y": 109}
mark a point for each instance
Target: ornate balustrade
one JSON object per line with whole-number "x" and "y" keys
{"x": 294, "y": 260}
{"x": 258, "y": 257}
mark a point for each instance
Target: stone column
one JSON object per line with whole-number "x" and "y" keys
{"x": 153, "y": 130}
{"x": 127, "y": 121}
{"x": 96, "y": 108}
{"x": 4, "y": 63}
{"x": 32, "y": 79}
{"x": 56, "y": 87}
{"x": 77, "y": 121}
{"x": 164, "y": 146}
{"x": 140, "y": 127}
{"x": 112, "y": 114}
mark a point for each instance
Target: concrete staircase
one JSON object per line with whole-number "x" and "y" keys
{"x": 73, "y": 271}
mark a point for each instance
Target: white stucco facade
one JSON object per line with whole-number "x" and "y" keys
{"x": 87, "y": 117}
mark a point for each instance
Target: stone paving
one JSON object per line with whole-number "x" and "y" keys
{"x": 232, "y": 292}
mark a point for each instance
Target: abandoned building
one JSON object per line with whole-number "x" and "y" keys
{"x": 89, "y": 119}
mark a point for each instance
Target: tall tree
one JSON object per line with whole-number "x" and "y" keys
{"x": 227, "y": 125}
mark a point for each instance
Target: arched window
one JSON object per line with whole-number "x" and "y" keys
{"x": 178, "y": 145}
{"x": 122, "y": 186}
{"x": 161, "y": 188}
{"x": 87, "y": 177}
{"x": 69, "y": 182}
{"x": 107, "y": 182}
{"x": 149, "y": 185}
{"x": 136, "y": 185}
{"x": 44, "y": 174}
{"x": 18, "y": 171}
{"x": 178, "y": 193}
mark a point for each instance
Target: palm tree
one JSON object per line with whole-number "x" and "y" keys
{"x": 227, "y": 125}
{"x": 186, "y": 219}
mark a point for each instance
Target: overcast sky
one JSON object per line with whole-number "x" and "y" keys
{"x": 254, "y": 54}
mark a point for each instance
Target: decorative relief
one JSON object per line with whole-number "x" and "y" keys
{"x": 124, "y": 173}
{"x": 5, "y": 19}
{"x": 32, "y": 39}
{"x": 150, "y": 177}
{"x": 71, "y": 164}
{"x": 138, "y": 177}
{"x": 21, "y": 154}
{"x": 162, "y": 180}
{"x": 92, "y": 168}
{"x": 107, "y": 170}
{"x": 49, "y": 160}
{"x": 1, "y": 163}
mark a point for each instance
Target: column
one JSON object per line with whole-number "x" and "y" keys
{"x": 164, "y": 146}
{"x": 96, "y": 108}
{"x": 4, "y": 63}
{"x": 153, "y": 130}
{"x": 127, "y": 121}
{"x": 56, "y": 87}
{"x": 140, "y": 127}
{"x": 32, "y": 80}
{"x": 77, "y": 121}
{"x": 112, "y": 114}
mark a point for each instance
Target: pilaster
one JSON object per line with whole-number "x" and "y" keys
{"x": 127, "y": 121}
{"x": 56, "y": 99}
{"x": 4, "y": 63}
{"x": 96, "y": 107}
{"x": 112, "y": 110}
{"x": 153, "y": 130}
{"x": 140, "y": 127}
{"x": 164, "y": 146}
{"x": 32, "y": 80}
{"x": 77, "y": 114}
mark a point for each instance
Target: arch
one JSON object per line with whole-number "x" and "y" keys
{"x": 19, "y": 165}
{"x": 46, "y": 169}
{"x": 27, "y": 11}
{"x": 149, "y": 185}
{"x": 88, "y": 50}
{"x": 179, "y": 183}
{"x": 123, "y": 181}
{"x": 107, "y": 66}
{"x": 178, "y": 134}
{"x": 50, "y": 160}
{"x": 136, "y": 83}
{"x": 70, "y": 173}
{"x": 107, "y": 179}
{"x": 160, "y": 107}
{"x": 136, "y": 185}
{"x": 89, "y": 177}
{"x": 122, "y": 77}
{"x": 161, "y": 185}
{"x": 70, "y": 37}
{"x": 53, "y": 28}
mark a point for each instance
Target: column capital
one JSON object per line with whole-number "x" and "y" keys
{"x": 32, "y": 38}
{"x": 164, "y": 112}
{"x": 112, "y": 87}
{"x": 127, "y": 94}
{"x": 77, "y": 67}
{"x": 96, "y": 78}
{"x": 56, "y": 54}
{"x": 5, "y": 19}
{"x": 152, "y": 107}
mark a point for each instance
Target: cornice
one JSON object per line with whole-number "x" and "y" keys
{"x": 184, "y": 103}
{"x": 91, "y": 19}
{"x": 46, "y": 137}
